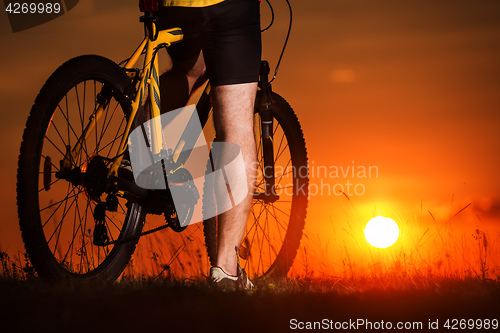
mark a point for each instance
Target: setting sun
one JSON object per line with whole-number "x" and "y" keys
{"x": 381, "y": 232}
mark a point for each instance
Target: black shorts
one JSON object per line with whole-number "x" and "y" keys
{"x": 228, "y": 33}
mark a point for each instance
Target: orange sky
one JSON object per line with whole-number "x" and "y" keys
{"x": 411, "y": 88}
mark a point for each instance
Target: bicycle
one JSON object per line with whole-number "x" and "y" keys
{"x": 81, "y": 214}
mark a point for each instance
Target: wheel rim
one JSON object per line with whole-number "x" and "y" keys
{"x": 265, "y": 237}
{"x": 66, "y": 209}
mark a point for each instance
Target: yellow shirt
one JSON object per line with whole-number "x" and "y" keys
{"x": 190, "y": 3}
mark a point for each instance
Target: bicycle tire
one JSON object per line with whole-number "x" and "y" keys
{"x": 286, "y": 127}
{"x": 55, "y": 215}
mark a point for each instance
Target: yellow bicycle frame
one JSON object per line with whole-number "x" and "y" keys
{"x": 148, "y": 78}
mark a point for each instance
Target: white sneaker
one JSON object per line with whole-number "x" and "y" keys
{"x": 224, "y": 281}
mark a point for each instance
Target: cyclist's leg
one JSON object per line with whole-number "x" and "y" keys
{"x": 188, "y": 65}
{"x": 178, "y": 83}
{"x": 233, "y": 118}
{"x": 232, "y": 52}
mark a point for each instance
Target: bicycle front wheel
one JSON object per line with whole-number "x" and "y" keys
{"x": 56, "y": 214}
{"x": 274, "y": 227}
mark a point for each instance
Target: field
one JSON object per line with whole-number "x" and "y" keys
{"x": 191, "y": 306}
{"x": 446, "y": 288}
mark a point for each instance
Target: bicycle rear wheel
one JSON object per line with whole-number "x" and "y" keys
{"x": 56, "y": 215}
{"x": 274, "y": 229}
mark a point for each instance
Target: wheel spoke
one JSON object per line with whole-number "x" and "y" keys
{"x": 59, "y": 225}
{"x": 58, "y": 133}
{"x": 56, "y": 147}
{"x": 76, "y": 217}
{"x": 66, "y": 116}
{"x": 65, "y": 211}
{"x": 59, "y": 203}
{"x": 56, "y": 203}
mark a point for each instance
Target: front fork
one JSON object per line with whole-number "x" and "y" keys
{"x": 265, "y": 109}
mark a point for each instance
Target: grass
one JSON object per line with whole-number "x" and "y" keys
{"x": 435, "y": 272}
{"x": 428, "y": 250}
{"x": 457, "y": 245}
{"x": 161, "y": 305}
